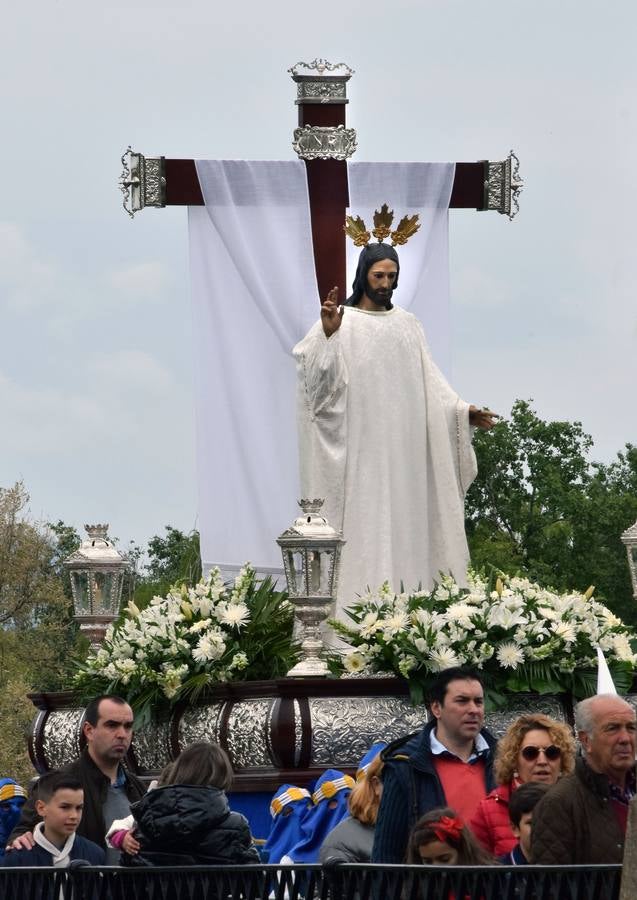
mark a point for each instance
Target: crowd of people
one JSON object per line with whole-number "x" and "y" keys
{"x": 448, "y": 795}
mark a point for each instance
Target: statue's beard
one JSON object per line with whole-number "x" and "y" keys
{"x": 381, "y": 296}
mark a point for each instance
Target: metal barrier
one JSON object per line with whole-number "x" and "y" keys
{"x": 355, "y": 882}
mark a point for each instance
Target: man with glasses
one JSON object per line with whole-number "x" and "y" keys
{"x": 582, "y": 819}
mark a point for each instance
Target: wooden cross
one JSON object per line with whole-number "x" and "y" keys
{"x": 324, "y": 142}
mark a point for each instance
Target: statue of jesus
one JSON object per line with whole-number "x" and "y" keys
{"x": 383, "y": 438}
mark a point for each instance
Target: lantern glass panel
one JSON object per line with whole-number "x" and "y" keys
{"x": 294, "y": 572}
{"x": 81, "y": 594}
{"x": 314, "y": 572}
{"x": 104, "y": 590}
{"x": 327, "y": 572}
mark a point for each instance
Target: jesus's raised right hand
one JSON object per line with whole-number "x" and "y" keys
{"x": 331, "y": 316}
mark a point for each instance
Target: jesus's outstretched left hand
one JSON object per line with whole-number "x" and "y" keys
{"x": 482, "y": 418}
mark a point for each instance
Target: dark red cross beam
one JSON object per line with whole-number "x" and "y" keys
{"x": 327, "y": 184}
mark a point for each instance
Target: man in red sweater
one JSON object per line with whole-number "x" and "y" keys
{"x": 448, "y": 763}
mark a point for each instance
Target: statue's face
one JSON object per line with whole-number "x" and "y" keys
{"x": 380, "y": 281}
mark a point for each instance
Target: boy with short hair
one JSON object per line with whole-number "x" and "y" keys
{"x": 60, "y": 803}
{"x": 522, "y": 802}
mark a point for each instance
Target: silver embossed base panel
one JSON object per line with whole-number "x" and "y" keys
{"x": 248, "y": 726}
{"x": 61, "y": 738}
{"x": 151, "y": 745}
{"x": 200, "y": 723}
{"x": 499, "y": 720}
{"x": 344, "y": 728}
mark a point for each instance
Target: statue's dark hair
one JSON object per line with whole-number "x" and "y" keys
{"x": 371, "y": 254}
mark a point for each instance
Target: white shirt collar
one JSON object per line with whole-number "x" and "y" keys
{"x": 480, "y": 746}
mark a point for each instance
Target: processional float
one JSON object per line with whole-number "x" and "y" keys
{"x": 289, "y": 729}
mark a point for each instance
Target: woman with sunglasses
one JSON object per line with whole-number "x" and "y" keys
{"x": 534, "y": 748}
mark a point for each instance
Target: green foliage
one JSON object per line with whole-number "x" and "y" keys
{"x": 38, "y": 634}
{"x": 172, "y": 559}
{"x": 540, "y": 508}
{"x": 16, "y": 715}
{"x": 66, "y": 541}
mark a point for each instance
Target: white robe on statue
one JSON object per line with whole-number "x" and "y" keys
{"x": 386, "y": 442}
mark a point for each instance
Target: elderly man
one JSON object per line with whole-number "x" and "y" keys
{"x": 448, "y": 763}
{"x": 109, "y": 788}
{"x": 582, "y": 819}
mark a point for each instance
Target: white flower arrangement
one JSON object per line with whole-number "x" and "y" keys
{"x": 193, "y": 638}
{"x": 521, "y": 636}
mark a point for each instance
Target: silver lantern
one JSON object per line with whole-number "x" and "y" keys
{"x": 311, "y": 551}
{"x": 97, "y": 577}
{"x": 629, "y": 539}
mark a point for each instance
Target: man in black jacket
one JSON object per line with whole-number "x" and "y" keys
{"x": 109, "y": 788}
{"x": 448, "y": 763}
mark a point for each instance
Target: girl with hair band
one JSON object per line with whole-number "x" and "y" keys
{"x": 440, "y": 838}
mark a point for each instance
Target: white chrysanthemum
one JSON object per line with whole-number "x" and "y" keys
{"x": 354, "y": 662}
{"x": 509, "y": 655}
{"x": 393, "y": 624}
{"x": 609, "y": 618}
{"x": 233, "y": 614}
{"x": 461, "y": 613}
{"x": 443, "y": 658}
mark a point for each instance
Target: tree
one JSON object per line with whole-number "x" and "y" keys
{"x": 172, "y": 559}
{"x": 539, "y": 507}
{"x": 37, "y": 633}
{"x": 66, "y": 541}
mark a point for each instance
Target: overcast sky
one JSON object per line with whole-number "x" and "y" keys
{"x": 96, "y": 391}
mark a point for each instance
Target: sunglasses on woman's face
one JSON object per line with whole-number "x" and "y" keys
{"x": 531, "y": 753}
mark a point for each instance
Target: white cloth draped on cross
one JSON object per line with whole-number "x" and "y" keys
{"x": 254, "y": 298}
